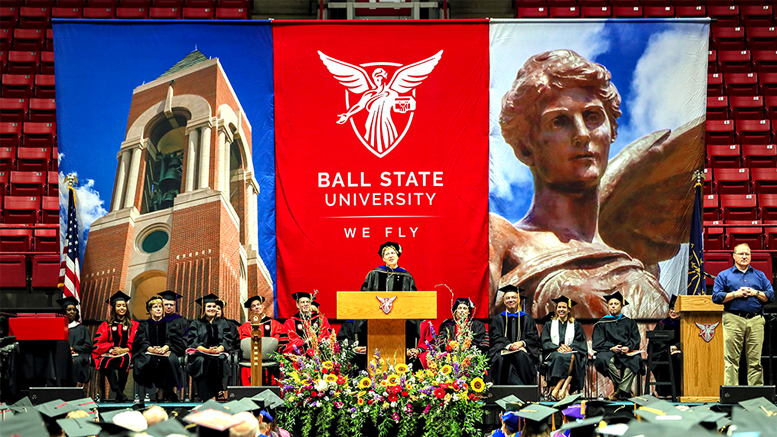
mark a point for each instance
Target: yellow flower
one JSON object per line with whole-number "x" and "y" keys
{"x": 402, "y": 368}
{"x": 330, "y": 378}
{"x": 453, "y": 344}
{"x": 477, "y": 385}
{"x": 360, "y": 401}
{"x": 430, "y": 373}
{"x": 327, "y": 365}
{"x": 393, "y": 379}
{"x": 432, "y": 366}
{"x": 446, "y": 369}
{"x": 384, "y": 383}
{"x": 365, "y": 382}
{"x": 408, "y": 387}
{"x": 361, "y": 393}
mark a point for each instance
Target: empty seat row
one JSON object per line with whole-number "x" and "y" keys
{"x": 742, "y": 38}
{"x": 40, "y": 17}
{"x": 29, "y": 239}
{"x": 28, "y": 159}
{"x": 760, "y": 16}
{"x": 21, "y": 110}
{"x": 726, "y": 238}
{"x": 741, "y": 84}
{"x": 28, "y": 183}
{"x": 742, "y": 61}
{"x": 736, "y": 156}
{"x": 31, "y": 40}
{"x": 716, "y": 262}
{"x": 28, "y": 210}
{"x": 739, "y": 132}
{"x": 739, "y": 207}
{"x": 128, "y": 3}
{"x": 25, "y": 86}
{"x": 743, "y": 180}
{"x": 28, "y": 134}
{"x": 751, "y": 107}
{"x": 24, "y": 271}
{"x": 25, "y": 62}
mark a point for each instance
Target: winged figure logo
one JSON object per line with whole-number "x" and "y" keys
{"x": 386, "y": 303}
{"x": 707, "y": 330}
{"x": 379, "y": 97}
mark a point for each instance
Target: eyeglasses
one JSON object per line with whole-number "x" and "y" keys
{"x": 743, "y": 254}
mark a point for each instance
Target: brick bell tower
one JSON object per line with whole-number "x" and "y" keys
{"x": 183, "y": 214}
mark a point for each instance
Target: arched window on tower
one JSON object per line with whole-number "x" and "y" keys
{"x": 164, "y": 161}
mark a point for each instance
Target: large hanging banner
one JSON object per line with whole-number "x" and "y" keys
{"x": 596, "y": 128}
{"x": 381, "y": 135}
{"x": 168, "y": 127}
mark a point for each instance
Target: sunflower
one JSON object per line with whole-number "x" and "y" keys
{"x": 366, "y": 382}
{"x": 360, "y": 401}
{"x": 393, "y": 379}
{"x": 402, "y": 368}
{"x": 477, "y": 385}
{"x": 446, "y": 369}
{"x": 330, "y": 378}
{"x": 327, "y": 365}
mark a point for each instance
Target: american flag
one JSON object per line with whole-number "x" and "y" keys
{"x": 70, "y": 271}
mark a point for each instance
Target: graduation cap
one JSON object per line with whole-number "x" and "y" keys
{"x": 221, "y": 303}
{"x": 166, "y": 428}
{"x": 601, "y": 408}
{"x": 238, "y": 406}
{"x": 396, "y": 247}
{"x": 574, "y": 412}
{"x": 80, "y": 427}
{"x": 301, "y": 294}
{"x": 67, "y": 301}
{"x": 216, "y": 423}
{"x": 115, "y": 297}
{"x": 212, "y": 404}
{"x": 153, "y": 298}
{"x": 247, "y": 303}
{"x": 618, "y": 296}
{"x": 29, "y": 424}
{"x": 208, "y": 298}
{"x": 537, "y": 416}
{"x": 761, "y": 405}
{"x": 169, "y": 295}
{"x": 510, "y": 403}
{"x": 5, "y": 411}
{"x": 270, "y": 399}
{"x": 84, "y": 404}
{"x": 54, "y": 409}
{"x": 462, "y": 301}
{"x": 672, "y": 301}
{"x": 715, "y": 421}
{"x": 23, "y": 402}
{"x": 652, "y": 401}
{"x": 570, "y": 303}
{"x": 582, "y": 428}
{"x": 567, "y": 401}
{"x": 510, "y": 288}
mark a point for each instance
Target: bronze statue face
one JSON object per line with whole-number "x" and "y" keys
{"x": 569, "y": 148}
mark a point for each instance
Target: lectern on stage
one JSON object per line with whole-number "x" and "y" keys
{"x": 386, "y": 312}
{"x": 701, "y": 332}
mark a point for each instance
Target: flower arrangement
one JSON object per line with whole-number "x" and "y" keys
{"x": 445, "y": 398}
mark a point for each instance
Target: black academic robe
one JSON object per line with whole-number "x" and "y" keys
{"x": 162, "y": 372}
{"x": 351, "y": 331}
{"x": 611, "y": 331}
{"x": 558, "y": 363}
{"x": 81, "y": 341}
{"x": 202, "y": 333}
{"x": 517, "y": 368}
{"x": 480, "y": 337}
{"x": 235, "y": 327}
{"x": 661, "y": 371}
{"x": 385, "y": 279}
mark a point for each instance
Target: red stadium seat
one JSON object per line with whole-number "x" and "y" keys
{"x": 770, "y": 104}
{"x": 770, "y": 237}
{"x": 32, "y": 158}
{"x": 746, "y": 107}
{"x": 712, "y": 62}
{"x": 752, "y": 236}
{"x": 242, "y": 13}
{"x": 28, "y": 183}
{"x": 721, "y": 132}
{"x": 43, "y": 110}
{"x": 564, "y": 12}
{"x": 9, "y": 17}
{"x": 44, "y": 86}
{"x": 595, "y": 11}
{"x": 742, "y": 84}
{"x": 763, "y": 262}
{"x": 726, "y": 15}
{"x": 4, "y": 181}
{"x": 728, "y": 38}
{"x": 691, "y": 11}
{"x": 245, "y": 4}
{"x": 716, "y": 262}
{"x": 14, "y": 268}
{"x": 47, "y": 62}
{"x": 711, "y": 207}
{"x": 17, "y": 86}
{"x": 49, "y": 46}
{"x": 724, "y": 156}
{"x": 13, "y": 110}
{"x": 7, "y": 159}
{"x": 35, "y": 18}
{"x": 46, "y": 240}
{"x": 738, "y": 207}
{"x": 29, "y": 40}
{"x": 104, "y": 3}
{"x": 768, "y": 84}
{"x": 52, "y": 184}
{"x": 136, "y": 4}
{"x": 45, "y": 271}
{"x": 732, "y": 180}
{"x": 762, "y": 38}
{"x": 21, "y": 210}
{"x": 714, "y": 238}
{"x": 714, "y": 85}
{"x": 132, "y": 13}
{"x": 754, "y": 131}
{"x": 37, "y": 134}
{"x": 6, "y": 39}
{"x": 92, "y": 12}
{"x": 768, "y": 206}
{"x": 717, "y": 108}
{"x": 198, "y": 13}
{"x": 50, "y": 210}
{"x": 211, "y": 4}
{"x": 759, "y": 155}
{"x": 66, "y": 12}
{"x": 23, "y": 62}
{"x": 735, "y": 61}
{"x": 764, "y": 180}
{"x": 765, "y": 61}
{"x": 757, "y": 14}
{"x": 15, "y": 240}
{"x": 164, "y": 13}
{"x": 10, "y": 134}
{"x": 659, "y": 11}
{"x": 627, "y": 11}
{"x": 708, "y": 181}
{"x": 532, "y": 12}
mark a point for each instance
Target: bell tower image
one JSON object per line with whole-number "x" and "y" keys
{"x": 183, "y": 214}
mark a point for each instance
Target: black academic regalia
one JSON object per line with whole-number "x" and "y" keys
{"x": 81, "y": 341}
{"x": 385, "y": 279}
{"x": 162, "y": 372}
{"x": 210, "y": 371}
{"x": 558, "y": 363}
{"x": 479, "y": 335}
{"x": 611, "y": 331}
{"x": 353, "y": 330}
{"x": 517, "y": 368}
{"x": 235, "y": 327}
{"x": 661, "y": 372}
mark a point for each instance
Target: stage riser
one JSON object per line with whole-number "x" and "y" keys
{"x": 40, "y": 395}
{"x": 732, "y": 394}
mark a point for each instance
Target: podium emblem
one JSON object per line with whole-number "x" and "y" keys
{"x": 386, "y": 303}
{"x": 707, "y": 330}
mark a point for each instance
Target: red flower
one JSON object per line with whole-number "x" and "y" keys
{"x": 393, "y": 397}
{"x": 324, "y": 370}
{"x": 404, "y": 393}
{"x": 445, "y": 386}
{"x": 310, "y": 352}
{"x": 340, "y": 380}
{"x": 314, "y": 393}
{"x": 472, "y": 395}
{"x": 370, "y": 402}
{"x": 448, "y": 347}
{"x": 395, "y": 389}
{"x": 455, "y": 386}
{"x": 439, "y": 393}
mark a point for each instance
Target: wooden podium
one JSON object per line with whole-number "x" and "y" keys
{"x": 386, "y": 330}
{"x": 703, "y": 364}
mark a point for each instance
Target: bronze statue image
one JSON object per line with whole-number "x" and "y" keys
{"x": 594, "y": 226}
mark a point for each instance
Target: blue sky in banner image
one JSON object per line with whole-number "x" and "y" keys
{"x": 99, "y": 64}
{"x": 659, "y": 68}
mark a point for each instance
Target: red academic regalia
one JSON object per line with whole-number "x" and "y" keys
{"x": 270, "y": 328}
{"x": 115, "y": 335}
{"x": 294, "y": 328}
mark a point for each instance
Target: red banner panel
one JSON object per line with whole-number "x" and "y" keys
{"x": 381, "y": 135}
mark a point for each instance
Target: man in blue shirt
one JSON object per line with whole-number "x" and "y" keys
{"x": 743, "y": 291}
